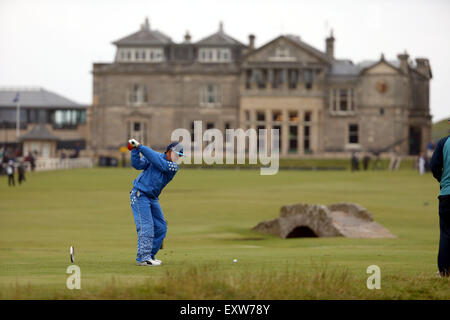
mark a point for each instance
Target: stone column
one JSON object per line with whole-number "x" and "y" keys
{"x": 269, "y": 78}
{"x": 284, "y": 132}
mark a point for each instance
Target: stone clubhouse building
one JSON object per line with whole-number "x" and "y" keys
{"x": 321, "y": 105}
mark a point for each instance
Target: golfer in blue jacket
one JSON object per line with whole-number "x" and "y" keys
{"x": 440, "y": 166}
{"x": 158, "y": 170}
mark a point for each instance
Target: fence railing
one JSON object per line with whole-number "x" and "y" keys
{"x": 43, "y": 164}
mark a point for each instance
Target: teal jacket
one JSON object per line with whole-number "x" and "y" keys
{"x": 440, "y": 165}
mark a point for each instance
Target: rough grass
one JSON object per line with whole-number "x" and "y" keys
{"x": 204, "y": 282}
{"x": 210, "y": 214}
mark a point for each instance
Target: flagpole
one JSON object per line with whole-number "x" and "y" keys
{"x": 18, "y": 120}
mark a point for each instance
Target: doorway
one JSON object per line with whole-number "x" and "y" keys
{"x": 415, "y": 140}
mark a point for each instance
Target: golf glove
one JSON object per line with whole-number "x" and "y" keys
{"x": 132, "y": 143}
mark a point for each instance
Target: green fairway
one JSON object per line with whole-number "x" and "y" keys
{"x": 210, "y": 214}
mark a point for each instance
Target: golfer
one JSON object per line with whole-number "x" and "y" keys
{"x": 158, "y": 170}
{"x": 440, "y": 166}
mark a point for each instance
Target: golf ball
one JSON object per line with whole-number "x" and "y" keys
{"x": 235, "y": 260}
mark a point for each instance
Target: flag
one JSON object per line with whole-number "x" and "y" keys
{"x": 16, "y": 99}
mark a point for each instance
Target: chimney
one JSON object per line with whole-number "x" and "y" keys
{"x": 145, "y": 25}
{"x": 251, "y": 41}
{"x": 187, "y": 37}
{"x": 423, "y": 67}
{"x": 403, "y": 58}
{"x": 329, "y": 45}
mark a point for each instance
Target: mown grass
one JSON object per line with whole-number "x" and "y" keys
{"x": 210, "y": 214}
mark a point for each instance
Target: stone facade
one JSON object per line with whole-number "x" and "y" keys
{"x": 322, "y": 105}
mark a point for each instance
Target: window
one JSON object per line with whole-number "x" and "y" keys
{"x": 306, "y": 139}
{"x": 137, "y": 94}
{"x": 282, "y": 54}
{"x": 293, "y": 116}
{"x": 343, "y": 100}
{"x": 277, "y": 116}
{"x": 136, "y": 129}
{"x": 381, "y": 111}
{"x": 68, "y": 119}
{"x": 209, "y": 125}
{"x": 307, "y": 133}
{"x": 280, "y": 134}
{"x": 260, "y": 78}
{"x": 307, "y": 116}
{"x": 210, "y": 95}
{"x": 214, "y": 55}
{"x": 353, "y": 133}
{"x": 8, "y": 117}
{"x": 248, "y": 78}
{"x": 293, "y": 79}
{"x": 247, "y": 115}
{"x": 293, "y": 139}
{"x": 308, "y": 78}
{"x": 278, "y": 78}
{"x": 141, "y": 55}
{"x": 261, "y": 116}
{"x": 156, "y": 55}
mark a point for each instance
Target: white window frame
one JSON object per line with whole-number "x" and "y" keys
{"x": 139, "y": 135}
{"x": 335, "y": 103}
{"x": 151, "y": 55}
{"x": 206, "y": 94}
{"x": 214, "y": 55}
{"x": 137, "y": 97}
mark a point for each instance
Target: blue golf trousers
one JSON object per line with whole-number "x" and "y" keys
{"x": 151, "y": 226}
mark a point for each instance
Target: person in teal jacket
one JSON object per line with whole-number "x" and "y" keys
{"x": 158, "y": 170}
{"x": 440, "y": 167}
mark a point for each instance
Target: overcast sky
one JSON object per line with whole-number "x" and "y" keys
{"x": 53, "y": 43}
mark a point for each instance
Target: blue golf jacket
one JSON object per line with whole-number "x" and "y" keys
{"x": 440, "y": 165}
{"x": 158, "y": 171}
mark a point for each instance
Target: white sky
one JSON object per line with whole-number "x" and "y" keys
{"x": 53, "y": 43}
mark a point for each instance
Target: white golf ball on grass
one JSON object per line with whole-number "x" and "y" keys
{"x": 235, "y": 260}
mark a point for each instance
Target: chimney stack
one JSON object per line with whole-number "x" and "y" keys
{"x": 187, "y": 37}
{"x": 423, "y": 67}
{"x": 145, "y": 25}
{"x": 329, "y": 45}
{"x": 251, "y": 40}
{"x": 403, "y": 57}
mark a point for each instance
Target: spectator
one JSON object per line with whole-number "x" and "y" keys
{"x": 32, "y": 161}
{"x": 355, "y": 162}
{"x": 366, "y": 161}
{"x": 421, "y": 164}
{"x": 10, "y": 173}
{"x": 21, "y": 170}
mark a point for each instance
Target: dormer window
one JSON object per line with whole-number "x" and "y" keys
{"x": 214, "y": 55}
{"x": 151, "y": 55}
